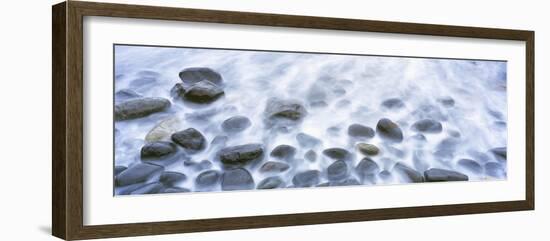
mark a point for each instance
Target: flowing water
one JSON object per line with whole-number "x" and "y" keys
{"x": 467, "y": 97}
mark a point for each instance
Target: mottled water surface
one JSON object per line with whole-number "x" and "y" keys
{"x": 198, "y": 120}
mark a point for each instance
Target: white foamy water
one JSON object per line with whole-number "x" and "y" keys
{"x": 354, "y": 88}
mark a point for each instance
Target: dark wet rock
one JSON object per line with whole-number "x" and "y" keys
{"x": 283, "y": 152}
{"x": 158, "y": 150}
{"x": 208, "y": 179}
{"x": 337, "y": 171}
{"x": 198, "y": 166}
{"x": 495, "y": 169}
{"x": 284, "y": 112}
{"x": 126, "y": 94}
{"x": 238, "y": 156}
{"x": 236, "y": 124}
{"x": 271, "y": 183}
{"x": 175, "y": 190}
{"x": 393, "y": 103}
{"x": 442, "y": 175}
{"x": 178, "y": 91}
{"x": 306, "y": 140}
{"x": 427, "y": 126}
{"x": 337, "y": 153}
{"x": 308, "y": 178}
{"x": 272, "y": 166}
{"x": 446, "y": 101}
{"x": 137, "y": 173}
{"x": 190, "y": 139}
{"x": 419, "y": 160}
{"x": 367, "y": 169}
{"x": 196, "y": 74}
{"x": 389, "y": 130}
{"x": 409, "y": 174}
{"x": 470, "y": 165}
{"x": 310, "y": 155}
{"x": 172, "y": 178}
{"x": 360, "y": 131}
{"x": 237, "y": 179}
{"x": 150, "y": 188}
{"x": 500, "y": 153}
{"x": 368, "y": 149}
{"x": 119, "y": 169}
{"x": 141, "y": 107}
{"x": 203, "y": 92}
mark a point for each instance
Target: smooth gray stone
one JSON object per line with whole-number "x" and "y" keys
{"x": 308, "y": 178}
{"x": 203, "y": 92}
{"x": 271, "y": 183}
{"x": 208, "y": 178}
{"x": 428, "y": 126}
{"x": 389, "y": 130}
{"x": 408, "y": 173}
{"x": 307, "y": 141}
{"x": 190, "y": 139}
{"x": 236, "y": 124}
{"x": 274, "y": 167}
{"x": 442, "y": 175}
{"x": 137, "y": 173}
{"x": 393, "y": 103}
{"x": 158, "y": 150}
{"x": 337, "y": 153}
{"x": 470, "y": 165}
{"x": 237, "y": 179}
{"x": 140, "y": 107}
{"x": 310, "y": 155}
{"x": 283, "y": 152}
{"x": 196, "y": 74}
{"x": 360, "y": 131}
{"x": 367, "y": 169}
{"x": 241, "y": 155}
{"x": 337, "y": 171}
{"x": 172, "y": 178}
{"x": 284, "y": 112}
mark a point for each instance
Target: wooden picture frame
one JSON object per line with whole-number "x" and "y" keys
{"x": 67, "y": 137}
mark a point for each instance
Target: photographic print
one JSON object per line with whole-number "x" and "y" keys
{"x": 190, "y": 119}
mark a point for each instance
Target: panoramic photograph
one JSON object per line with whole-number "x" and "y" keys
{"x": 190, "y": 119}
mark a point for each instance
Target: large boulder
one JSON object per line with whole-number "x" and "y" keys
{"x": 196, "y": 74}
{"x": 284, "y": 112}
{"x": 360, "y": 131}
{"x": 389, "y": 130}
{"x": 337, "y": 171}
{"x": 140, "y": 107}
{"x": 308, "y": 178}
{"x": 241, "y": 155}
{"x": 138, "y": 173}
{"x": 158, "y": 150}
{"x": 203, "y": 92}
{"x": 408, "y": 174}
{"x": 236, "y": 124}
{"x": 427, "y": 126}
{"x": 190, "y": 139}
{"x": 283, "y": 152}
{"x": 271, "y": 183}
{"x": 237, "y": 179}
{"x": 337, "y": 153}
{"x": 442, "y": 175}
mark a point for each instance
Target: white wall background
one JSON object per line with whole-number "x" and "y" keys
{"x": 25, "y": 124}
